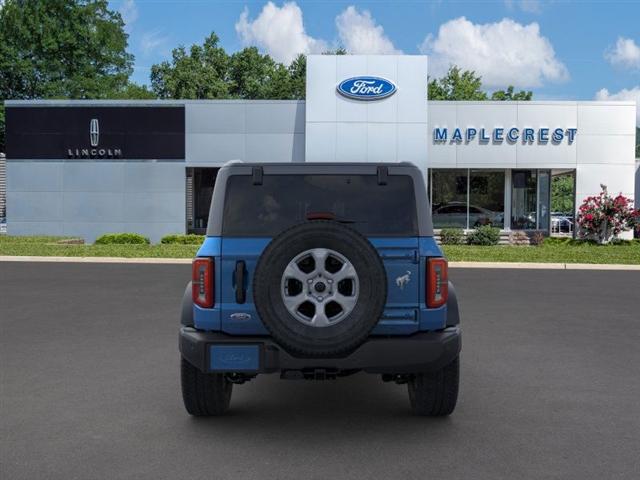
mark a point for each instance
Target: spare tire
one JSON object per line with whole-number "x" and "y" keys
{"x": 320, "y": 288}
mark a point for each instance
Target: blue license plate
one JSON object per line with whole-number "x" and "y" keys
{"x": 234, "y": 358}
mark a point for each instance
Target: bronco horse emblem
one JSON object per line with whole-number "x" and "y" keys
{"x": 402, "y": 280}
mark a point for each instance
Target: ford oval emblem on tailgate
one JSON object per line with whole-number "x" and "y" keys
{"x": 366, "y": 88}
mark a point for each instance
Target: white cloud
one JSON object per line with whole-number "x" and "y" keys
{"x": 360, "y": 34}
{"x": 632, "y": 94}
{"x": 129, "y": 12}
{"x": 504, "y": 53}
{"x": 151, "y": 41}
{"x": 529, "y": 6}
{"x": 278, "y": 31}
{"x": 626, "y": 53}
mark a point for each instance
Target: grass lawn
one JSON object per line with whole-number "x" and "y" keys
{"x": 553, "y": 253}
{"x": 586, "y": 253}
{"x": 43, "y": 246}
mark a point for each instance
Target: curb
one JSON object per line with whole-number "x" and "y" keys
{"x": 545, "y": 266}
{"x": 152, "y": 261}
{"x": 182, "y": 261}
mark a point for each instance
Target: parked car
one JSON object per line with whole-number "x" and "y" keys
{"x": 455, "y": 215}
{"x": 317, "y": 271}
{"x": 561, "y": 222}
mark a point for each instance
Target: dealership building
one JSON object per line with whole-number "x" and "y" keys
{"x": 84, "y": 168}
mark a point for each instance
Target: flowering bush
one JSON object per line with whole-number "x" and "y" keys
{"x": 604, "y": 217}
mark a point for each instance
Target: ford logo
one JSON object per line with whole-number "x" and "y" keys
{"x": 366, "y": 88}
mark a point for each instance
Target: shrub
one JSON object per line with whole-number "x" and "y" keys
{"x": 485, "y": 235}
{"x": 122, "y": 239}
{"x": 190, "y": 239}
{"x": 518, "y": 238}
{"x": 451, "y": 236}
{"x": 537, "y": 239}
{"x": 603, "y": 217}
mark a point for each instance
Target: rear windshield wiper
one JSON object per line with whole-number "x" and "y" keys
{"x": 330, "y": 216}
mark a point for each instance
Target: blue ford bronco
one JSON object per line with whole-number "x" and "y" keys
{"x": 318, "y": 271}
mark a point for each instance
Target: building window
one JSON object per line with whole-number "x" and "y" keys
{"x": 449, "y": 198}
{"x": 465, "y": 198}
{"x": 486, "y": 198}
{"x": 199, "y": 191}
{"x": 524, "y": 191}
{"x": 530, "y": 199}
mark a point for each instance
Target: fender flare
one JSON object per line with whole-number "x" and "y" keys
{"x": 186, "y": 313}
{"x": 453, "y": 312}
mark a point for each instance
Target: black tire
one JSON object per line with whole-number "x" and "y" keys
{"x": 333, "y": 340}
{"x": 435, "y": 394}
{"x": 204, "y": 394}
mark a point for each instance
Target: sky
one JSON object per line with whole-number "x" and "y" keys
{"x": 561, "y": 50}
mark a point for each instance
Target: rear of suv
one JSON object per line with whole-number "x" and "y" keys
{"x": 318, "y": 271}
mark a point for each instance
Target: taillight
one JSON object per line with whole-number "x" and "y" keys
{"x": 202, "y": 283}
{"x": 437, "y": 282}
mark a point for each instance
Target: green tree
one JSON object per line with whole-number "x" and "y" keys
{"x": 61, "y": 49}
{"x": 208, "y": 72}
{"x": 201, "y": 73}
{"x": 337, "y": 51}
{"x": 562, "y": 193}
{"x": 134, "y": 91}
{"x": 510, "y": 95}
{"x": 298, "y": 74}
{"x": 256, "y": 76}
{"x": 457, "y": 85}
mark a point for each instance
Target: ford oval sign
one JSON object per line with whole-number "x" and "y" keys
{"x": 366, "y": 88}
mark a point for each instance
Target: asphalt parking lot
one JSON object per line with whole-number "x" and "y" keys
{"x": 90, "y": 388}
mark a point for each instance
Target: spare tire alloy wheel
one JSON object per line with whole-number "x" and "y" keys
{"x": 320, "y": 287}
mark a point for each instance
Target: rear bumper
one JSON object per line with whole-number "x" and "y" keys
{"x": 420, "y": 352}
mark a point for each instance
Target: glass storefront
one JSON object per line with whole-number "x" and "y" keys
{"x": 486, "y": 198}
{"x": 524, "y": 191}
{"x": 449, "y": 198}
{"x": 469, "y": 198}
{"x": 199, "y": 191}
{"x": 544, "y": 199}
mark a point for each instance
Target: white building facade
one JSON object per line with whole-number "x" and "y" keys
{"x": 84, "y": 168}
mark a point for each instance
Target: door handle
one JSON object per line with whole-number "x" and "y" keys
{"x": 239, "y": 274}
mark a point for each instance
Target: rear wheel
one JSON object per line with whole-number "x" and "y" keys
{"x": 435, "y": 394}
{"x": 204, "y": 394}
{"x": 320, "y": 288}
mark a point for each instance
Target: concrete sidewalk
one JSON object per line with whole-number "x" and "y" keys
{"x": 170, "y": 261}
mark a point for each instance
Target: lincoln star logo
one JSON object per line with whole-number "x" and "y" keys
{"x": 402, "y": 280}
{"x": 366, "y": 88}
{"x": 107, "y": 151}
{"x": 94, "y": 132}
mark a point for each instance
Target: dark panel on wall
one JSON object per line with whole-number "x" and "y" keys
{"x": 145, "y": 132}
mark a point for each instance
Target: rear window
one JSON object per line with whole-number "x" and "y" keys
{"x": 285, "y": 200}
